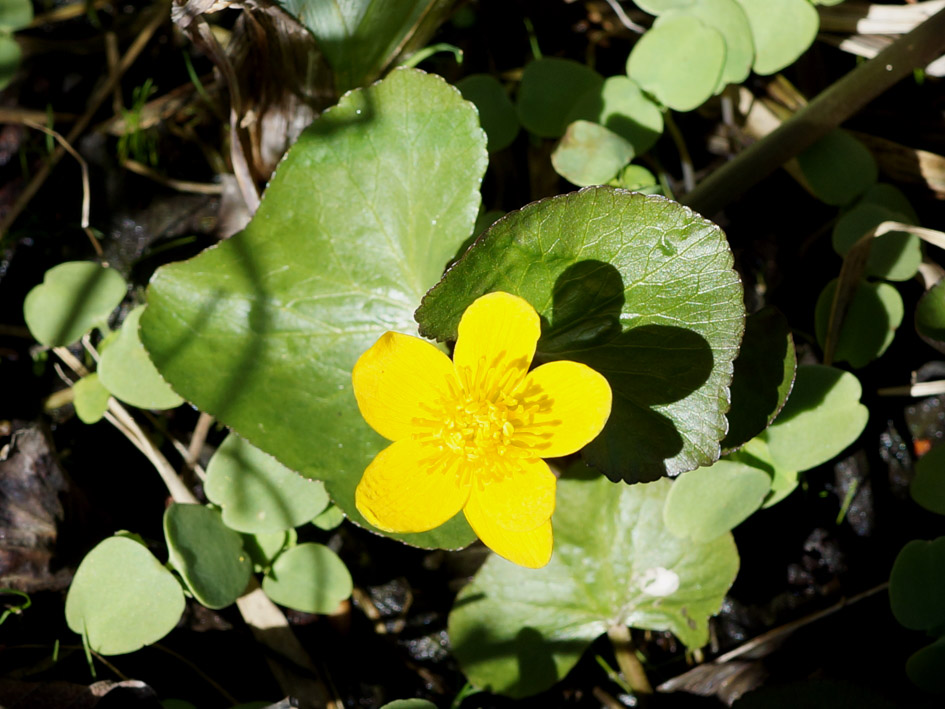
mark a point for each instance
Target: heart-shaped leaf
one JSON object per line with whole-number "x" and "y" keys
{"x": 359, "y": 220}
{"x": 589, "y": 154}
{"x": 822, "y": 416}
{"x": 729, "y": 19}
{"x": 257, "y": 493}
{"x": 308, "y": 578}
{"x": 637, "y": 287}
{"x": 549, "y": 91}
{"x": 128, "y": 373}
{"x": 782, "y": 31}
{"x": 705, "y": 503}
{"x": 122, "y": 598}
{"x": 756, "y": 454}
{"x": 916, "y": 585}
{"x": 870, "y": 323}
{"x": 208, "y": 555}
{"x": 517, "y": 631}
{"x": 73, "y": 298}
{"x": 764, "y": 374}
{"x": 679, "y": 61}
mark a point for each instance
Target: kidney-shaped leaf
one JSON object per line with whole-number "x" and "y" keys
{"x": 128, "y": 373}
{"x": 870, "y": 323}
{"x": 917, "y": 583}
{"x": 638, "y": 287}
{"x": 358, "y": 222}
{"x": 122, "y": 598}
{"x": 822, "y": 416}
{"x": 73, "y": 298}
{"x": 517, "y": 631}
{"x": 550, "y": 90}
{"x": 257, "y": 493}
{"x": 782, "y": 31}
{"x": 208, "y": 555}
{"x": 309, "y": 578}
{"x": 620, "y": 106}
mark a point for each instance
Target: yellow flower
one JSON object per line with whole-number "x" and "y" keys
{"x": 471, "y": 434}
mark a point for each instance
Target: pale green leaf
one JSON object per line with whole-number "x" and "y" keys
{"x": 894, "y": 256}
{"x": 782, "y": 31}
{"x": 517, "y": 631}
{"x": 257, "y": 493}
{"x": 128, "y": 373}
{"x": 358, "y": 222}
{"x": 620, "y": 106}
{"x": 122, "y": 598}
{"x": 730, "y": 20}
{"x": 90, "y": 398}
{"x": 589, "y": 154}
{"x": 15, "y": 14}
{"x": 308, "y": 578}
{"x": 73, "y": 298}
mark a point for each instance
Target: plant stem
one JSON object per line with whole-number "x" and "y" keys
{"x": 828, "y": 110}
{"x": 630, "y": 667}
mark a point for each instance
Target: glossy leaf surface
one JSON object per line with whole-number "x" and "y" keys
{"x": 358, "y": 222}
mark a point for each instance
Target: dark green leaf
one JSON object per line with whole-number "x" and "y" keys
{"x": 637, "y": 287}
{"x": 496, "y": 112}
{"x": 10, "y": 55}
{"x": 930, "y": 316}
{"x": 764, "y": 374}
{"x": 894, "y": 256}
{"x": 358, "y": 222}
{"x": 924, "y": 668}
{"x": 928, "y": 486}
{"x": 550, "y": 90}
{"x": 208, "y": 555}
{"x": 917, "y": 584}
{"x": 838, "y": 168}
{"x": 870, "y": 323}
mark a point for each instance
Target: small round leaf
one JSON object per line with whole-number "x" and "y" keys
{"x": 870, "y": 323}
{"x": 73, "y": 298}
{"x": 589, "y": 154}
{"x": 822, "y": 416}
{"x": 620, "y": 106}
{"x": 679, "y": 60}
{"x": 705, "y": 503}
{"x": 258, "y": 493}
{"x": 917, "y": 584}
{"x": 308, "y": 578}
{"x": 497, "y": 115}
{"x": 15, "y": 15}
{"x": 930, "y": 316}
{"x": 728, "y": 17}
{"x": 838, "y": 168}
{"x": 928, "y": 486}
{"x": 892, "y": 198}
{"x": 90, "y": 398}
{"x": 549, "y": 90}
{"x": 330, "y": 518}
{"x": 894, "y": 256}
{"x": 122, "y": 598}
{"x": 782, "y": 31}
{"x": 128, "y": 373}
{"x": 924, "y": 667}
{"x": 208, "y": 555}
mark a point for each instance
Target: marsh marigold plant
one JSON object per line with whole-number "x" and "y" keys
{"x": 470, "y": 434}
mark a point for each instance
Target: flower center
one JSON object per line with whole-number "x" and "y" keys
{"x": 479, "y": 428}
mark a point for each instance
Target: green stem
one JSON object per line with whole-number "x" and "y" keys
{"x": 630, "y": 666}
{"x": 828, "y": 110}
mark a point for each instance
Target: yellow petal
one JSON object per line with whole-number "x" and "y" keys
{"x": 566, "y": 405}
{"x": 531, "y": 548}
{"x": 496, "y": 342}
{"x": 397, "y": 381}
{"x": 521, "y": 500}
{"x": 410, "y": 487}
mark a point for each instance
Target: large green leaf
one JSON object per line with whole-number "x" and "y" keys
{"x": 73, "y": 298}
{"x": 358, "y": 222}
{"x": 208, "y": 555}
{"x": 517, "y": 631}
{"x": 638, "y": 287}
{"x": 122, "y": 598}
{"x": 360, "y": 37}
{"x": 257, "y": 493}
